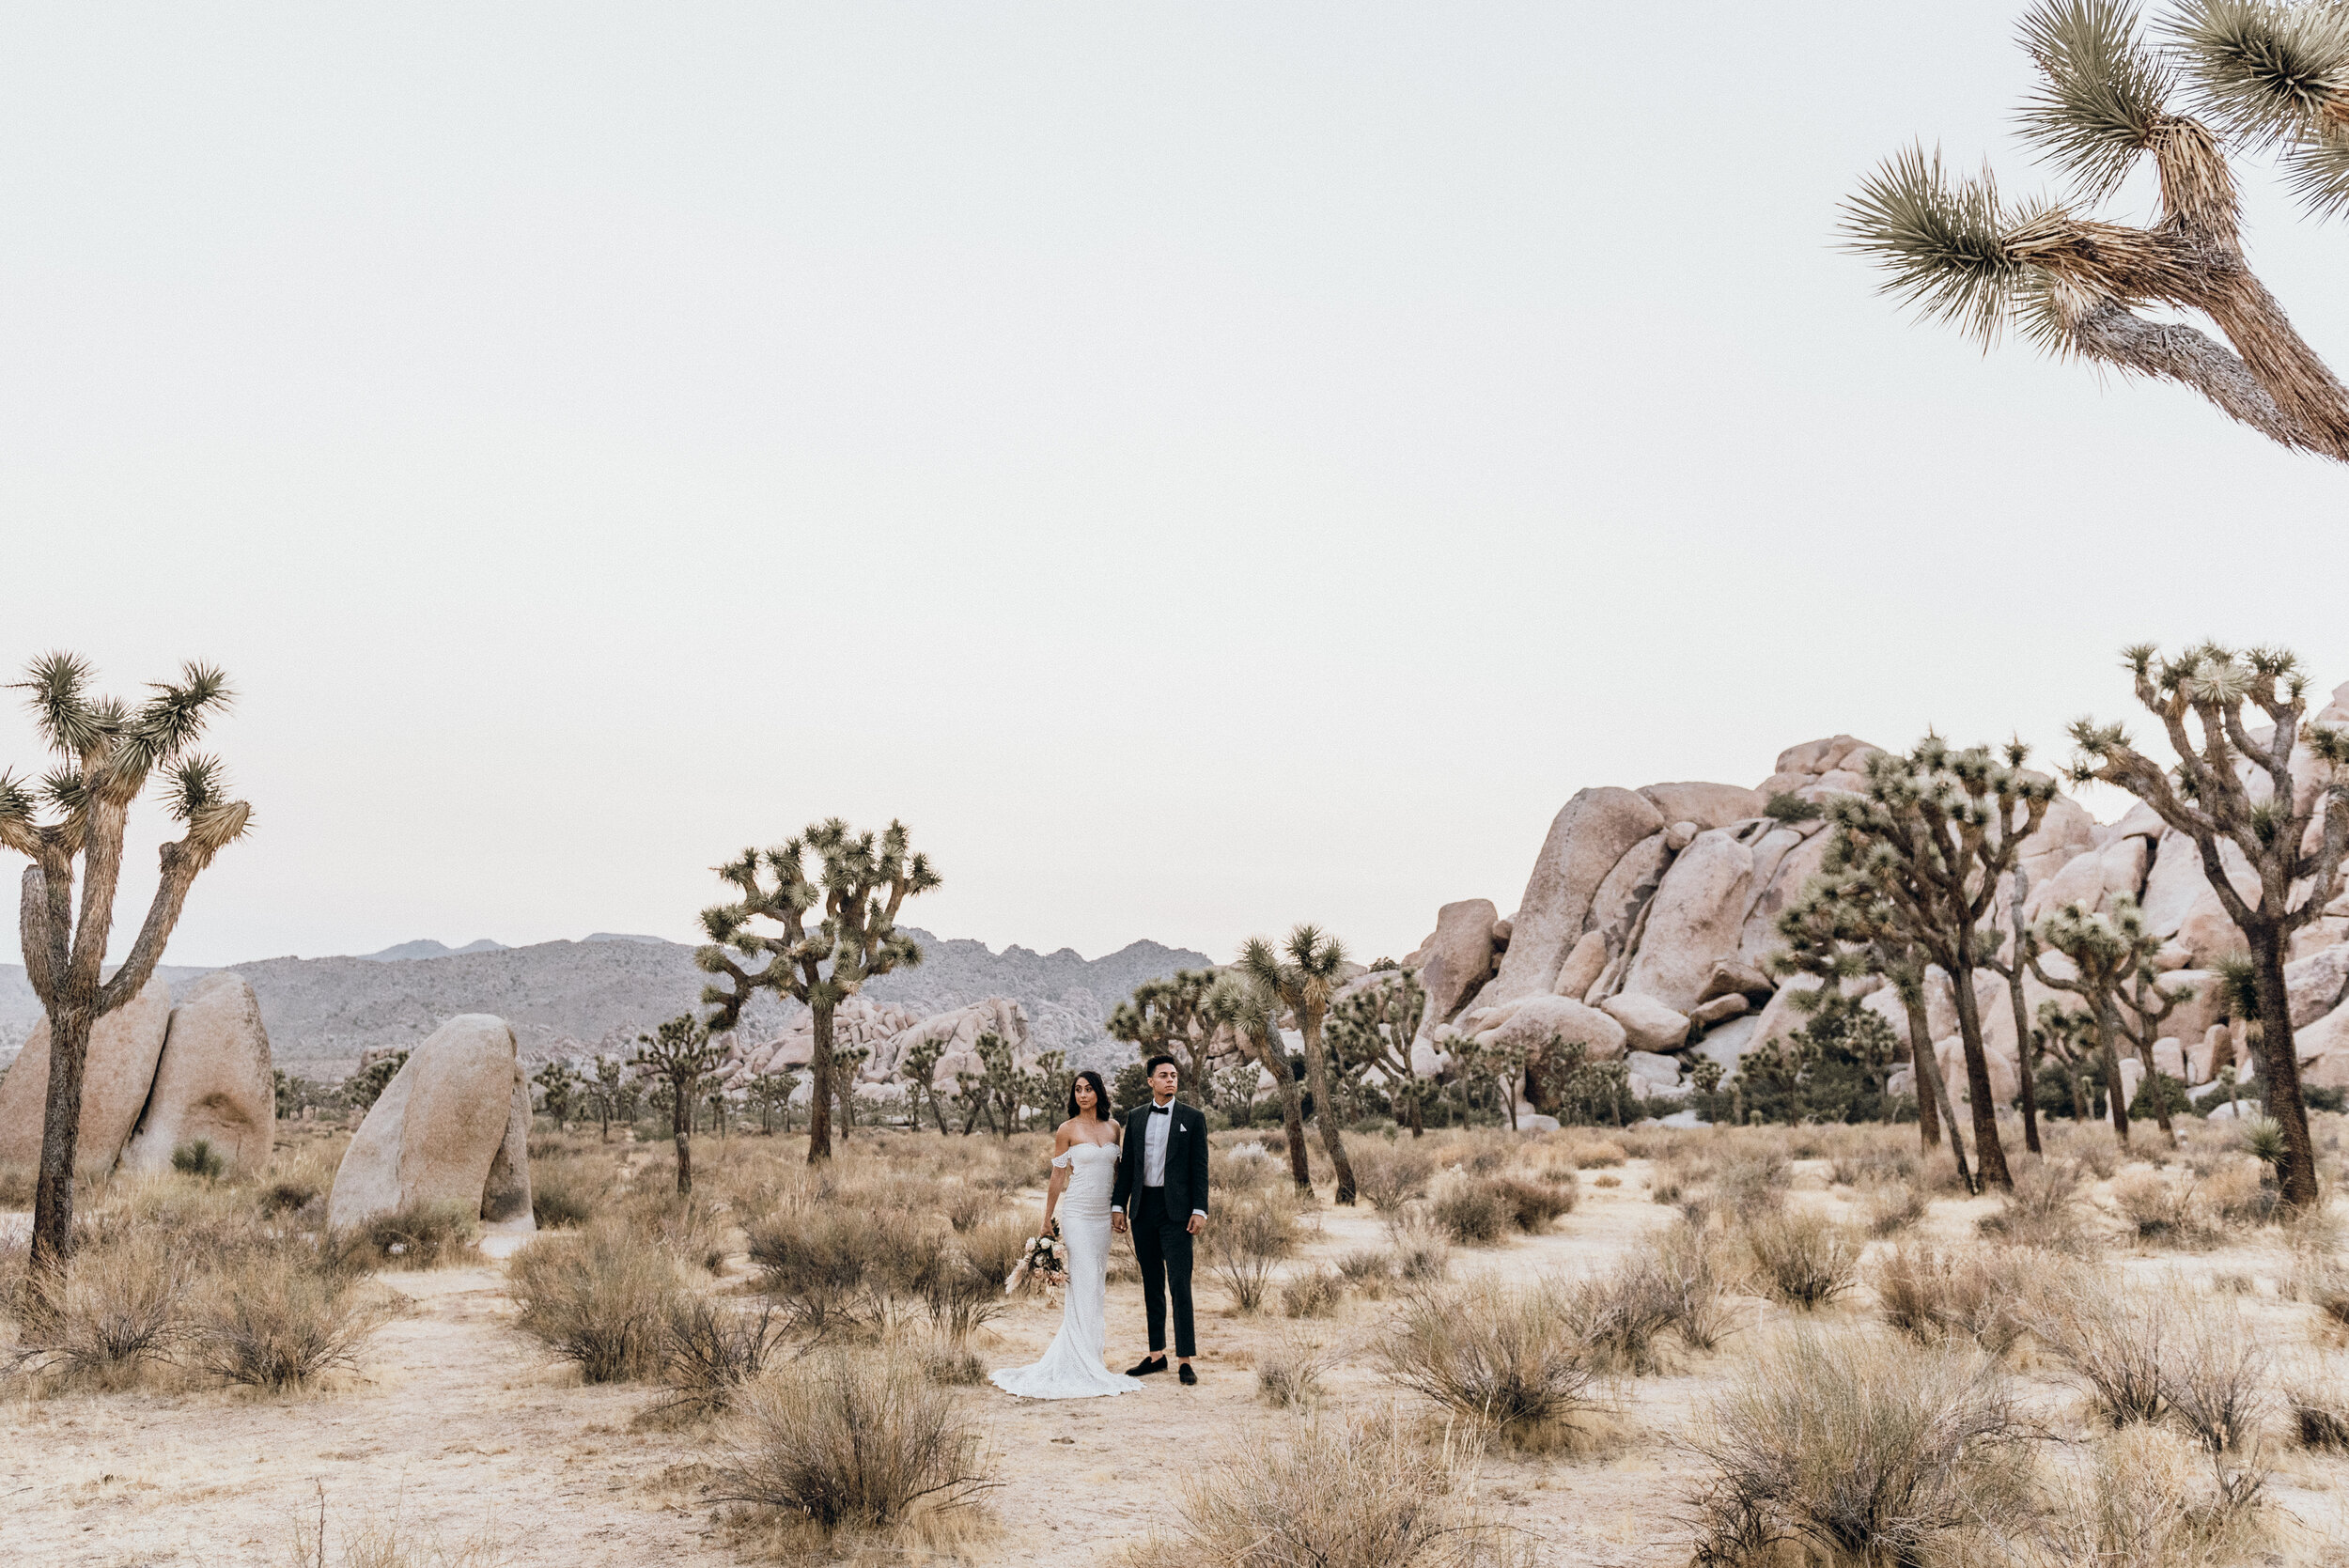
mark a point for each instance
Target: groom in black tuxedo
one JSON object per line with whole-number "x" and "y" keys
{"x": 1162, "y": 1192}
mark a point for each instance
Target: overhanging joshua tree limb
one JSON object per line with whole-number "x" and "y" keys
{"x": 1304, "y": 973}
{"x": 2235, "y": 789}
{"x": 109, "y": 751}
{"x": 853, "y": 938}
{"x": 2264, "y": 75}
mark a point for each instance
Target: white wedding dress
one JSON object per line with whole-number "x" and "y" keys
{"x": 1072, "y": 1368}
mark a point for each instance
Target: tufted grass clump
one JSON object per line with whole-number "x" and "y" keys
{"x": 1860, "y": 1448}
{"x": 198, "y": 1157}
{"x": 1803, "y": 1260}
{"x": 1934, "y": 1293}
{"x": 599, "y": 1298}
{"x": 424, "y": 1235}
{"x": 1291, "y": 1369}
{"x": 123, "y": 1311}
{"x": 279, "y": 1320}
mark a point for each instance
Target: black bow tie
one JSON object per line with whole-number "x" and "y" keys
{"x": 1162, "y": 1110}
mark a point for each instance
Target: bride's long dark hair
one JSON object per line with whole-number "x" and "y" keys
{"x": 1100, "y": 1094}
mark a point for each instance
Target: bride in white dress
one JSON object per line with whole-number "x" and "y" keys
{"x": 1084, "y": 1167}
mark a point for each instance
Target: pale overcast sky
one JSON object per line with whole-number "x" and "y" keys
{"x": 1203, "y": 468}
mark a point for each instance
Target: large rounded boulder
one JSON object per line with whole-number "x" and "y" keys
{"x": 213, "y": 1081}
{"x": 452, "y": 1126}
{"x": 123, "y": 1049}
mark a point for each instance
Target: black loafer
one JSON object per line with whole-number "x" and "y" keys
{"x": 1147, "y": 1365}
{"x": 1189, "y": 1377}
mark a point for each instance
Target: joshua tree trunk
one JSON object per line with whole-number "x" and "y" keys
{"x": 60, "y": 1132}
{"x": 1292, "y": 1114}
{"x": 1925, "y": 1068}
{"x": 2279, "y": 1067}
{"x": 681, "y": 1133}
{"x": 2108, "y": 1030}
{"x": 2014, "y": 973}
{"x": 1988, "y": 1154}
{"x": 820, "y": 1094}
{"x": 1325, "y": 1107}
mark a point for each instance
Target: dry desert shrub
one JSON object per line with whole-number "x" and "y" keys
{"x": 2144, "y": 1501}
{"x": 1932, "y": 1294}
{"x": 1290, "y": 1370}
{"x": 994, "y": 1246}
{"x": 1510, "y": 1358}
{"x": 1390, "y": 1174}
{"x": 1248, "y": 1241}
{"x": 2318, "y": 1401}
{"x": 280, "y": 1319}
{"x": 1312, "y": 1293}
{"x": 1360, "y": 1492}
{"x": 1894, "y": 1206}
{"x": 1595, "y": 1154}
{"x": 1860, "y": 1448}
{"x": 1875, "y": 1164}
{"x": 17, "y": 1186}
{"x": 1803, "y": 1260}
{"x": 2044, "y": 1210}
{"x": 1248, "y": 1165}
{"x": 687, "y": 1228}
{"x": 2162, "y": 1352}
{"x": 820, "y": 1264}
{"x": 1368, "y": 1272}
{"x": 1677, "y": 1286}
{"x": 424, "y": 1235}
{"x": 2217, "y": 1381}
{"x": 122, "y": 1309}
{"x": 2093, "y": 1148}
{"x": 1473, "y": 1212}
{"x": 1535, "y": 1205}
{"x": 710, "y": 1352}
{"x": 2164, "y": 1209}
{"x": 957, "y": 1293}
{"x": 843, "y": 1439}
{"x": 566, "y": 1191}
{"x": 601, "y": 1298}
{"x": 1422, "y": 1250}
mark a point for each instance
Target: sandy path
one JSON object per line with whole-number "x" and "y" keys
{"x": 459, "y": 1436}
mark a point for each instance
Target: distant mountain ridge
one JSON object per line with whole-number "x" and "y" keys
{"x": 566, "y": 997}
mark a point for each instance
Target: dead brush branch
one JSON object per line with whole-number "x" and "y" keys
{"x": 1862, "y": 1448}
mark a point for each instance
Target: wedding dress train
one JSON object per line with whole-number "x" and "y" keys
{"x": 1072, "y": 1368}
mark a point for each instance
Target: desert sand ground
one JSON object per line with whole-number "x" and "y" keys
{"x": 461, "y": 1442}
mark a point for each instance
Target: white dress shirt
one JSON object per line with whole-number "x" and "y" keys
{"x": 1160, "y": 1125}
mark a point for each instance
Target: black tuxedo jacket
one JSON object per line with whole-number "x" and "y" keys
{"x": 1186, "y": 1161}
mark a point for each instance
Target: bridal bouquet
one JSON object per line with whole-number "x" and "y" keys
{"x": 1044, "y": 1261}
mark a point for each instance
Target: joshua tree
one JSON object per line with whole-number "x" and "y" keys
{"x": 1303, "y": 974}
{"x": 557, "y": 1083}
{"x": 1841, "y": 927}
{"x": 918, "y": 1067}
{"x": 2010, "y": 968}
{"x": 602, "y": 1090}
{"x": 2114, "y": 977}
{"x": 1166, "y": 1015}
{"x": 1252, "y": 1011}
{"x": 2248, "y": 75}
{"x": 2234, "y": 793}
{"x": 1235, "y": 1086}
{"x": 1930, "y": 839}
{"x": 846, "y": 1063}
{"x": 108, "y": 750}
{"x": 1373, "y": 1029}
{"x": 770, "y": 1093}
{"x": 679, "y": 1056}
{"x": 855, "y": 939}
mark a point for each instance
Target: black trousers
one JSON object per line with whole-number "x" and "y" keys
{"x": 1162, "y": 1248}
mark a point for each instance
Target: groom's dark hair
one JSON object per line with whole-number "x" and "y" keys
{"x": 1152, "y": 1065}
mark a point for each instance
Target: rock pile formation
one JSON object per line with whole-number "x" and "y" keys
{"x": 452, "y": 1126}
{"x": 1650, "y": 913}
{"x": 158, "y": 1077}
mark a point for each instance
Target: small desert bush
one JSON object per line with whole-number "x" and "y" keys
{"x": 424, "y": 1235}
{"x": 280, "y": 1319}
{"x": 1244, "y": 1165}
{"x": 2164, "y": 1210}
{"x": 567, "y": 1192}
{"x": 1422, "y": 1250}
{"x": 1860, "y": 1448}
{"x": 122, "y": 1307}
{"x": 2318, "y": 1406}
{"x": 968, "y": 1207}
{"x": 2141, "y": 1356}
{"x": 601, "y": 1298}
{"x": 1752, "y": 1184}
{"x": 843, "y": 1439}
{"x": 2217, "y": 1381}
{"x": 1359, "y": 1492}
{"x": 1894, "y": 1206}
{"x": 1508, "y": 1358}
{"x": 958, "y": 1293}
{"x": 1473, "y": 1212}
{"x": 994, "y": 1246}
{"x": 1676, "y": 1286}
{"x": 709, "y": 1352}
{"x": 1535, "y": 1205}
{"x": 822, "y": 1263}
{"x": 687, "y": 1227}
{"x": 1247, "y": 1240}
{"x": 1390, "y": 1174}
{"x": 1289, "y": 1370}
{"x": 1596, "y": 1154}
{"x": 1312, "y": 1293}
{"x": 2142, "y": 1500}
{"x": 1875, "y": 1166}
{"x": 2044, "y": 1210}
{"x": 1802, "y": 1259}
{"x": 1367, "y": 1272}
{"x": 198, "y": 1157}
{"x": 952, "y": 1364}
{"x": 1932, "y": 1294}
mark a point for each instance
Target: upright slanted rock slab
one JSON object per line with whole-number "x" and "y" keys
{"x": 451, "y": 1127}
{"x": 213, "y": 1083}
{"x": 1593, "y": 832}
{"x": 123, "y": 1049}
